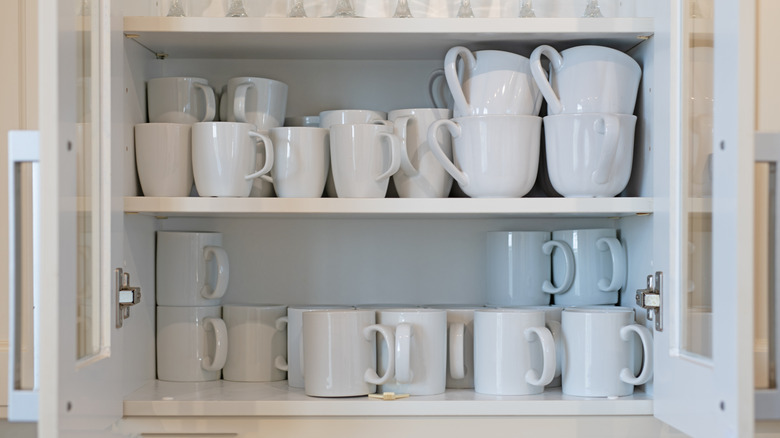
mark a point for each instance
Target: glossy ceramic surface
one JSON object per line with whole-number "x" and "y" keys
{"x": 363, "y": 158}
{"x": 301, "y": 161}
{"x": 257, "y": 336}
{"x": 163, "y": 154}
{"x": 180, "y": 100}
{"x": 259, "y": 101}
{"x": 192, "y": 269}
{"x": 191, "y": 343}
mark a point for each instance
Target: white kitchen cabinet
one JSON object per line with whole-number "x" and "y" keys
{"x": 381, "y": 250}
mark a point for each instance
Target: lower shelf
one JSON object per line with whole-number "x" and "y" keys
{"x": 222, "y": 398}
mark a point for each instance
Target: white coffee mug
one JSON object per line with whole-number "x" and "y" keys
{"x": 421, "y": 175}
{"x": 460, "y": 344}
{"x": 340, "y": 353}
{"x": 258, "y": 343}
{"x": 258, "y": 101}
{"x": 420, "y": 350}
{"x": 363, "y": 158}
{"x": 519, "y": 268}
{"x": 587, "y": 79}
{"x": 599, "y": 266}
{"x": 514, "y": 353}
{"x": 163, "y": 153}
{"x": 598, "y": 351}
{"x": 180, "y": 100}
{"x": 192, "y": 343}
{"x": 193, "y": 269}
{"x": 492, "y": 82}
{"x": 552, "y": 320}
{"x": 495, "y": 156}
{"x": 223, "y": 158}
{"x": 301, "y": 161}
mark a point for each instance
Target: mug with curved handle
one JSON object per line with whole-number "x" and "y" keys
{"x": 618, "y": 256}
{"x": 363, "y": 158}
{"x": 370, "y": 375}
{"x": 456, "y": 340}
{"x": 548, "y": 356}
{"x": 568, "y": 257}
{"x": 438, "y": 91}
{"x": 280, "y": 362}
{"x": 269, "y": 155}
{"x": 220, "y": 341}
{"x": 540, "y": 76}
{"x": 646, "y": 338}
{"x": 223, "y": 272}
{"x": 211, "y": 106}
{"x": 259, "y": 101}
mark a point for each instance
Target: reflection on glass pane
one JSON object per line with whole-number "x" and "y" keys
{"x": 764, "y": 276}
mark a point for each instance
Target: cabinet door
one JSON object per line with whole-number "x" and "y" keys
{"x": 704, "y": 368}
{"x": 81, "y": 348}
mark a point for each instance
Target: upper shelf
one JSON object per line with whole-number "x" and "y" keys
{"x": 373, "y": 38}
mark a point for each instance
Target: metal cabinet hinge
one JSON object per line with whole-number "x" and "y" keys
{"x": 126, "y": 296}
{"x": 651, "y": 299}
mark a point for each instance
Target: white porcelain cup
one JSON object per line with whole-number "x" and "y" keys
{"x": 180, "y": 100}
{"x": 598, "y": 351}
{"x": 514, "y": 353}
{"x": 587, "y": 79}
{"x": 491, "y": 82}
{"x": 420, "y": 350}
{"x": 224, "y": 156}
{"x": 552, "y": 320}
{"x": 340, "y": 353}
{"x": 363, "y": 158}
{"x": 421, "y": 175}
{"x": 192, "y": 343}
{"x": 460, "y": 344}
{"x": 258, "y": 101}
{"x": 599, "y": 266}
{"x": 258, "y": 343}
{"x": 589, "y": 155}
{"x": 494, "y": 156}
{"x": 301, "y": 161}
{"x": 193, "y": 269}
{"x": 163, "y": 154}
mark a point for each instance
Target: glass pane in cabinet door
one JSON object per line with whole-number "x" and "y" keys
{"x": 697, "y": 183}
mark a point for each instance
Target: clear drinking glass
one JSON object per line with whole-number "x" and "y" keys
{"x": 176, "y": 9}
{"x": 402, "y": 10}
{"x": 527, "y": 9}
{"x": 592, "y": 10}
{"x": 344, "y": 9}
{"x": 296, "y": 10}
{"x": 236, "y": 9}
{"x": 465, "y": 9}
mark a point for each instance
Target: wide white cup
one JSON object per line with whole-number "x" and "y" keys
{"x": 301, "y": 161}
{"x": 519, "y": 268}
{"x": 258, "y": 343}
{"x": 420, "y": 350}
{"x": 340, "y": 353}
{"x": 552, "y": 320}
{"x": 460, "y": 344}
{"x": 193, "y": 269}
{"x": 587, "y": 79}
{"x": 224, "y": 156}
{"x": 492, "y": 82}
{"x": 421, "y": 175}
{"x": 514, "y": 353}
{"x": 495, "y": 156}
{"x": 363, "y": 158}
{"x": 599, "y": 266}
{"x": 589, "y": 155}
{"x": 259, "y": 101}
{"x": 180, "y": 100}
{"x": 599, "y": 353}
{"x": 192, "y": 343}
{"x": 163, "y": 154}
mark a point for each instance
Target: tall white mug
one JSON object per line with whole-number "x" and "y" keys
{"x": 460, "y": 344}
{"x": 192, "y": 343}
{"x": 552, "y": 320}
{"x": 363, "y": 158}
{"x": 258, "y": 343}
{"x": 259, "y": 101}
{"x": 163, "y": 153}
{"x": 193, "y": 268}
{"x": 301, "y": 161}
{"x": 180, "y": 100}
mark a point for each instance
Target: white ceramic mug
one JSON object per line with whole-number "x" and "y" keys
{"x": 519, "y": 268}
{"x": 258, "y": 343}
{"x": 223, "y": 158}
{"x": 363, "y": 158}
{"x": 599, "y": 266}
{"x": 340, "y": 353}
{"x": 421, "y": 175}
{"x": 587, "y": 79}
{"x": 598, "y": 351}
{"x": 589, "y": 155}
{"x": 180, "y": 100}
{"x": 301, "y": 161}
{"x": 495, "y": 156}
{"x": 552, "y": 320}
{"x": 193, "y": 269}
{"x": 420, "y": 350}
{"x": 259, "y": 101}
{"x": 460, "y": 344}
{"x": 192, "y": 343}
{"x": 163, "y": 153}
{"x": 492, "y": 82}
{"x": 514, "y": 353}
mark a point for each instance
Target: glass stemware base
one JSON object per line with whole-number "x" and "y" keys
{"x": 402, "y": 10}
{"x": 344, "y": 9}
{"x": 297, "y": 10}
{"x": 465, "y": 10}
{"x": 527, "y": 9}
{"x": 592, "y": 10}
{"x": 236, "y": 9}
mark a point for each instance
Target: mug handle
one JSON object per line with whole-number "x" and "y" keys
{"x": 618, "y": 264}
{"x": 548, "y": 356}
{"x": 646, "y": 337}
{"x": 211, "y": 101}
{"x": 395, "y": 155}
{"x": 437, "y": 94}
{"x": 220, "y": 336}
{"x": 540, "y": 76}
{"x": 223, "y": 273}
{"x": 441, "y": 157}
{"x": 556, "y": 330}
{"x": 239, "y": 101}
{"x": 370, "y": 375}
{"x": 269, "y": 155}
{"x": 401, "y": 124}
{"x": 403, "y": 351}
{"x": 568, "y": 257}
{"x": 280, "y": 362}
{"x": 456, "y": 341}
{"x": 451, "y": 74}
{"x": 609, "y": 127}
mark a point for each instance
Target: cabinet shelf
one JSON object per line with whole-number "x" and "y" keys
{"x": 373, "y": 38}
{"x": 389, "y": 207}
{"x": 223, "y": 398}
